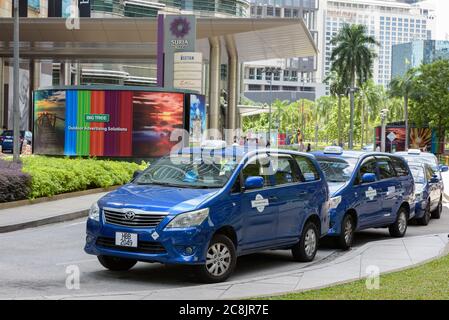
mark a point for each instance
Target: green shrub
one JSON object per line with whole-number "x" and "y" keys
{"x": 51, "y": 176}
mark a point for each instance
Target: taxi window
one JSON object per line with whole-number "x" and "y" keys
{"x": 307, "y": 168}
{"x": 275, "y": 170}
{"x": 429, "y": 173}
{"x": 399, "y": 167}
{"x": 386, "y": 170}
{"x": 368, "y": 166}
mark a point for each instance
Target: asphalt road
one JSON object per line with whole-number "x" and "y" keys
{"x": 33, "y": 262}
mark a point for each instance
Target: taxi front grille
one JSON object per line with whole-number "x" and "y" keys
{"x": 142, "y": 246}
{"x": 138, "y": 221}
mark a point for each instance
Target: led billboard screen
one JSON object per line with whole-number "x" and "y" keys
{"x": 109, "y": 123}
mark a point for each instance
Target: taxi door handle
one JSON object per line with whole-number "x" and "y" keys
{"x": 273, "y": 198}
{"x": 303, "y": 193}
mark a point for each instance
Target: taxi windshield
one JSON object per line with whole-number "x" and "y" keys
{"x": 337, "y": 170}
{"x": 189, "y": 171}
{"x": 418, "y": 174}
{"x": 422, "y": 159}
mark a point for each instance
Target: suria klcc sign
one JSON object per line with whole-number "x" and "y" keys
{"x": 176, "y": 34}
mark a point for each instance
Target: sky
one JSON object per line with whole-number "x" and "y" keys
{"x": 442, "y": 21}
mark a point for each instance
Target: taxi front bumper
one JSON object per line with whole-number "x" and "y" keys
{"x": 168, "y": 246}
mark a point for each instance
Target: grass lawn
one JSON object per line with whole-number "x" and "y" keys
{"x": 426, "y": 282}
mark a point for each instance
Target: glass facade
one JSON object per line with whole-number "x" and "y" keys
{"x": 413, "y": 54}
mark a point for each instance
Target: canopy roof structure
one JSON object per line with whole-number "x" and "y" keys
{"x": 100, "y": 39}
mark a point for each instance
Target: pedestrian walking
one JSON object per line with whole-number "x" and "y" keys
{"x": 309, "y": 147}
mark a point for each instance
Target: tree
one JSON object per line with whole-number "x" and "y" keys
{"x": 431, "y": 103}
{"x": 403, "y": 87}
{"x": 353, "y": 58}
{"x": 371, "y": 97}
{"x": 323, "y": 107}
{"x": 338, "y": 88}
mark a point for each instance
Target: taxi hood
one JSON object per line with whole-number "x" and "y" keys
{"x": 156, "y": 198}
{"x": 334, "y": 187}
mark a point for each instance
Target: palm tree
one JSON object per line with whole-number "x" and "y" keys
{"x": 337, "y": 89}
{"x": 370, "y": 96}
{"x": 403, "y": 87}
{"x": 353, "y": 58}
{"x": 323, "y": 107}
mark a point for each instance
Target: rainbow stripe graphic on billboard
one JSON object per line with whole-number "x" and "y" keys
{"x": 98, "y": 123}
{"x": 109, "y": 123}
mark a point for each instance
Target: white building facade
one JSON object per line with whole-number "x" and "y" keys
{"x": 295, "y": 78}
{"x": 391, "y": 22}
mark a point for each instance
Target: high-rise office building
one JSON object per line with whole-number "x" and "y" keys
{"x": 390, "y": 22}
{"x": 413, "y": 54}
{"x": 293, "y": 78}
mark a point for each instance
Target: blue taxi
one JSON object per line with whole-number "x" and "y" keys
{"x": 428, "y": 192}
{"x": 205, "y": 207}
{"x": 416, "y": 156}
{"x": 368, "y": 190}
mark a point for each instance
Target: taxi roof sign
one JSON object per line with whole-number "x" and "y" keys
{"x": 414, "y": 151}
{"x": 333, "y": 150}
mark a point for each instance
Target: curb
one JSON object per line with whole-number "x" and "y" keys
{"x": 62, "y": 196}
{"x": 45, "y": 221}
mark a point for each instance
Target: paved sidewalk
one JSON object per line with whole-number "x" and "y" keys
{"x": 387, "y": 255}
{"x": 34, "y": 215}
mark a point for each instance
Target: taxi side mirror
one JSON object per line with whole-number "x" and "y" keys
{"x": 368, "y": 178}
{"x": 255, "y": 182}
{"x": 444, "y": 168}
{"x": 434, "y": 179}
{"x": 136, "y": 174}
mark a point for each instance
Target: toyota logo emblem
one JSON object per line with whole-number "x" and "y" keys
{"x": 130, "y": 215}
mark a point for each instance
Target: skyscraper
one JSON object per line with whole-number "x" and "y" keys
{"x": 390, "y": 22}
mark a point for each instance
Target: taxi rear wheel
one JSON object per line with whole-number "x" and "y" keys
{"x": 347, "y": 233}
{"x": 399, "y": 227}
{"x": 305, "y": 250}
{"x": 424, "y": 221}
{"x": 116, "y": 263}
{"x": 221, "y": 259}
{"x": 436, "y": 214}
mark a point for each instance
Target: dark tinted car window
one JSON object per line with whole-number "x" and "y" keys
{"x": 308, "y": 169}
{"x": 368, "y": 166}
{"x": 400, "y": 167}
{"x": 386, "y": 170}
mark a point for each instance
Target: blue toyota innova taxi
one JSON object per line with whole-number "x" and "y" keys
{"x": 368, "y": 190}
{"x": 206, "y": 207}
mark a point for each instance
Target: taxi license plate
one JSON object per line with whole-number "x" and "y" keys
{"x": 125, "y": 239}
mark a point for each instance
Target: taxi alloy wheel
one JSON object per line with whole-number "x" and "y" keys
{"x": 436, "y": 214}
{"x": 347, "y": 233}
{"x": 399, "y": 227}
{"x": 424, "y": 221}
{"x": 305, "y": 250}
{"x": 116, "y": 263}
{"x": 220, "y": 260}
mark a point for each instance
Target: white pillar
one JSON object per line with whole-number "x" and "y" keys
{"x": 214, "y": 83}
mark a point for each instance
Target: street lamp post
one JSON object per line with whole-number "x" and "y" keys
{"x": 383, "y": 117}
{"x": 16, "y": 110}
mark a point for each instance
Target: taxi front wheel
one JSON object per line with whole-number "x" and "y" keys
{"x": 305, "y": 250}
{"x": 399, "y": 227}
{"x": 221, "y": 259}
{"x": 346, "y": 236}
{"x": 116, "y": 263}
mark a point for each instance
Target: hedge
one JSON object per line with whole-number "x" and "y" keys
{"x": 52, "y": 176}
{"x": 14, "y": 184}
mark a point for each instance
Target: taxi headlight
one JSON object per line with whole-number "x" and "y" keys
{"x": 189, "y": 219}
{"x": 94, "y": 212}
{"x": 334, "y": 202}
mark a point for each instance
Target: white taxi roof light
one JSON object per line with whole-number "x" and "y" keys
{"x": 214, "y": 144}
{"x": 414, "y": 151}
{"x": 333, "y": 150}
